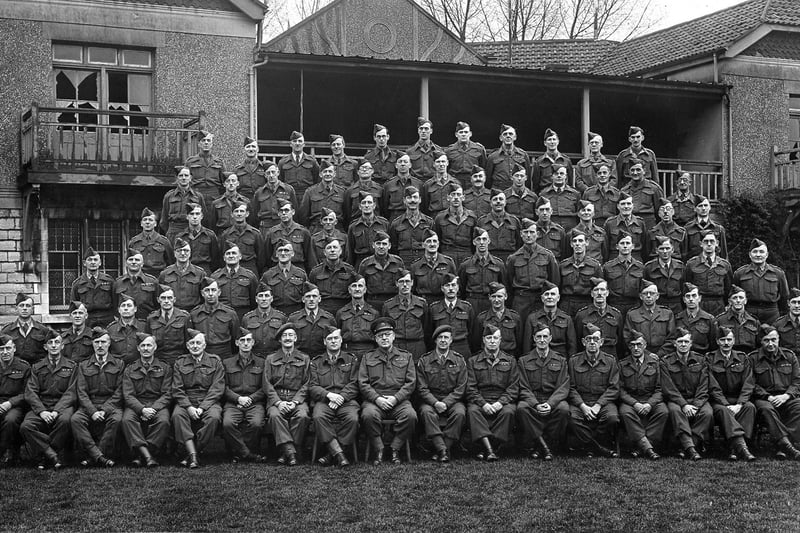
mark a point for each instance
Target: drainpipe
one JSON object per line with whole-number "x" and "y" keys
{"x": 254, "y": 97}
{"x": 729, "y": 181}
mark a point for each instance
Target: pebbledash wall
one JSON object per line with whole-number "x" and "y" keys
{"x": 202, "y": 61}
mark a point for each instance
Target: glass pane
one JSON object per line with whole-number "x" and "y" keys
{"x": 63, "y": 243}
{"x": 139, "y": 91}
{"x": 102, "y": 56}
{"x": 794, "y": 131}
{"x": 106, "y": 238}
{"x": 67, "y": 52}
{"x": 136, "y": 58}
{"x": 794, "y": 101}
{"x": 65, "y": 89}
{"x": 118, "y": 87}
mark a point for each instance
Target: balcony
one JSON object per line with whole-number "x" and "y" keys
{"x": 786, "y": 171}
{"x": 104, "y": 147}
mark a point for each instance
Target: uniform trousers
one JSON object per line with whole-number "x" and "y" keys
{"x": 525, "y": 302}
{"x": 766, "y": 314}
{"x": 651, "y": 425}
{"x": 783, "y": 421}
{"x": 403, "y": 413}
{"x": 241, "y": 427}
{"x": 602, "y": 429}
{"x": 714, "y": 305}
{"x": 202, "y": 430}
{"x": 152, "y": 433}
{"x": 415, "y": 346}
{"x": 535, "y": 425}
{"x": 497, "y": 425}
{"x": 39, "y": 434}
{"x": 9, "y": 429}
{"x": 689, "y": 430}
{"x": 340, "y": 424}
{"x": 290, "y": 428}
{"x": 96, "y": 437}
{"x": 572, "y": 303}
{"x": 453, "y": 420}
{"x": 739, "y": 425}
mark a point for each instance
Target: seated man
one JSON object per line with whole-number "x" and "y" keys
{"x": 641, "y": 406}
{"x": 442, "y": 384}
{"x": 492, "y": 390}
{"x": 99, "y": 391}
{"x": 14, "y": 374}
{"x": 593, "y": 392}
{"x": 198, "y": 383}
{"x": 146, "y": 392}
{"x": 50, "y": 393}
{"x": 543, "y": 390}
{"x": 684, "y": 383}
{"x": 243, "y": 411}
{"x": 386, "y": 379}
{"x": 286, "y": 377}
{"x": 334, "y": 388}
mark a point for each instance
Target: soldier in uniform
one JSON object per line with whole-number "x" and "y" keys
{"x": 310, "y": 322}
{"x": 711, "y": 273}
{"x": 765, "y": 284}
{"x": 641, "y": 402}
{"x": 147, "y": 395}
{"x": 382, "y": 157}
{"x": 587, "y": 168}
{"x": 264, "y": 322}
{"x": 560, "y": 324}
{"x": 436, "y": 189}
{"x": 286, "y": 377}
{"x": 605, "y": 317}
{"x": 237, "y": 284}
{"x": 250, "y": 242}
{"x": 455, "y": 226}
{"x": 549, "y": 234}
{"x": 628, "y": 223}
{"x": 430, "y": 269}
{"x": 667, "y": 272}
{"x": 595, "y": 236}
{"x": 264, "y": 201}
{"x": 251, "y": 171}
{"x": 95, "y": 290}
{"x": 381, "y": 270}
{"x": 731, "y": 385}
{"x": 492, "y": 392}
{"x": 636, "y": 151}
{"x": 542, "y": 411}
{"x": 655, "y": 322}
{"x": 386, "y": 378}
{"x": 476, "y": 273}
{"x": 50, "y": 394}
{"x": 500, "y": 163}
{"x": 520, "y": 200}
{"x": 744, "y": 325}
{"x": 173, "y": 208}
{"x": 392, "y": 202}
{"x": 142, "y": 287}
{"x": 334, "y": 388}
{"x": 295, "y": 234}
{"x": 218, "y": 322}
{"x": 198, "y": 383}
{"x": 683, "y": 200}
{"x": 285, "y": 279}
{"x": 421, "y": 152}
{"x": 221, "y": 214}
{"x": 208, "y": 171}
{"x": 456, "y": 313}
{"x": 546, "y": 165}
{"x": 155, "y": 248}
{"x": 298, "y": 169}
{"x": 477, "y": 198}
{"x": 647, "y": 195}
{"x": 777, "y": 392}
{"x": 503, "y": 228}
{"x": 696, "y": 228}
{"x": 98, "y": 388}
{"x": 788, "y": 325}
{"x": 684, "y": 383}
{"x": 328, "y": 231}
{"x": 505, "y": 319}
{"x": 464, "y": 154}
{"x": 564, "y": 200}
{"x": 593, "y": 393}
{"x": 603, "y": 195}
{"x": 14, "y": 374}
{"x": 410, "y": 314}
{"x": 441, "y": 389}
{"x": 204, "y": 244}
{"x": 243, "y": 409}
{"x": 123, "y": 330}
{"x": 169, "y": 326}
{"x": 576, "y": 273}
{"x": 331, "y": 277}
{"x": 356, "y": 317}
{"x": 326, "y": 193}
{"x": 355, "y": 193}
{"x": 77, "y": 339}
{"x": 699, "y": 322}
{"x": 362, "y": 230}
{"x": 344, "y": 166}
{"x": 528, "y": 268}
{"x": 667, "y": 228}
{"x": 27, "y": 333}
{"x": 406, "y": 230}
{"x": 184, "y": 277}
{"x": 624, "y": 274}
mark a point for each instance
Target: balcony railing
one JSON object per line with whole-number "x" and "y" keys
{"x": 57, "y": 140}
{"x": 706, "y": 175}
{"x": 785, "y": 168}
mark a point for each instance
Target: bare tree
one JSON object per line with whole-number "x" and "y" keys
{"x": 603, "y": 19}
{"x": 459, "y": 16}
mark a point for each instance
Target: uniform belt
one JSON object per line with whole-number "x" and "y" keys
{"x": 286, "y": 394}
{"x": 476, "y": 294}
{"x": 763, "y": 304}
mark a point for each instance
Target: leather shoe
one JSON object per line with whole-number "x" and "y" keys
{"x": 744, "y": 453}
{"x": 137, "y": 463}
{"x": 396, "y": 456}
{"x": 651, "y": 454}
{"x": 291, "y": 459}
{"x": 607, "y": 452}
{"x": 444, "y": 457}
{"x": 341, "y": 460}
{"x": 191, "y": 461}
{"x": 732, "y": 457}
{"x": 325, "y": 460}
{"x": 8, "y": 459}
{"x": 151, "y": 463}
{"x": 691, "y": 454}
{"x": 104, "y": 462}
{"x": 254, "y": 458}
{"x": 491, "y": 456}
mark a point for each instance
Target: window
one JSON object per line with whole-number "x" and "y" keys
{"x": 67, "y": 242}
{"x": 794, "y": 121}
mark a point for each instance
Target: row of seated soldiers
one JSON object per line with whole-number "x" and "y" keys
{"x": 551, "y": 398}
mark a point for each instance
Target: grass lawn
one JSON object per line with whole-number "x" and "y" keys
{"x": 568, "y": 494}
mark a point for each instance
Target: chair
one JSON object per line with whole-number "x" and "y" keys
{"x": 388, "y": 423}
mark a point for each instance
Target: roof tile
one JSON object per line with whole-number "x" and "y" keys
{"x": 560, "y": 54}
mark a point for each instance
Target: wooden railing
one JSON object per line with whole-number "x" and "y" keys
{"x": 785, "y": 168}
{"x": 706, "y": 175}
{"x": 105, "y": 141}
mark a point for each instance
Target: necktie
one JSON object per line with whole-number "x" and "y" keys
{"x": 25, "y": 329}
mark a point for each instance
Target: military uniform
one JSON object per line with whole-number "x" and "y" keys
{"x": 264, "y": 328}
{"x": 503, "y": 232}
{"x": 694, "y": 234}
{"x": 788, "y": 328}
{"x": 237, "y": 289}
{"x": 241, "y": 426}
{"x": 251, "y": 245}
{"x": 429, "y": 275}
{"x": 731, "y": 382}
{"x": 543, "y": 170}
{"x": 156, "y": 251}
{"x": 412, "y": 323}
{"x": 286, "y": 378}
{"x": 686, "y": 382}
{"x": 185, "y": 284}
{"x": 527, "y": 269}
{"x": 511, "y": 329}
{"x": 346, "y": 169}
{"x": 407, "y": 237}
{"x": 553, "y": 237}
{"x": 625, "y": 158}
{"x": 610, "y": 322}
{"x": 422, "y": 158}
{"x": 123, "y": 339}
{"x": 586, "y": 171}
{"x": 767, "y": 291}
{"x": 146, "y": 387}
{"x": 205, "y": 248}
{"x": 352, "y": 199}
{"x": 30, "y": 345}
{"x": 640, "y": 382}
{"x": 320, "y": 239}
{"x": 713, "y": 281}
{"x": 13, "y": 379}
{"x": 208, "y": 175}
{"x": 676, "y": 234}
{"x": 299, "y": 236}
{"x": 656, "y": 325}
{"x": 474, "y": 276}
{"x": 287, "y": 289}
{"x": 434, "y": 193}
{"x": 301, "y": 173}
{"x": 384, "y": 163}
{"x": 455, "y": 233}
{"x": 668, "y": 280}
{"x": 462, "y": 157}
{"x": 200, "y": 384}
{"x": 220, "y": 324}
{"x": 333, "y": 282}
{"x": 576, "y": 284}
{"x": 311, "y": 331}
{"x": 319, "y": 196}
{"x": 596, "y": 244}
{"x": 479, "y": 202}
{"x": 647, "y": 196}
{"x": 701, "y": 326}
{"x": 173, "y": 211}
{"x": 360, "y": 236}
{"x": 171, "y": 334}
{"x": 381, "y": 278}
{"x": 604, "y": 200}
{"x": 775, "y": 375}
{"x": 500, "y": 166}
{"x": 492, "y": 380}
{"x": 392, "y": 205}
{"x": 355, "y": 325}
{"x": 635, "y": 227}
{"x": 520, "y": 204}
{"x": 143, "y": 288}
{"x": 623, "y": 283}
{"x": 97, "y": 296}
{"x": 562, "y": 329}
{"x": 338, "y": 376}
{"x": 98, "y": 388}
{"x": 594, "y": 383}
{"x": 565, "y": 204}
{"x": 264, "y": 205}
{"x": 745, "y": 329}
{"x": 684, "y": 207}
{"x": 543, "y": 380}
{"x": 252, "y": 176}
{"x": 461, "y": 317}
{"x": 442, "y": 379}
{"x": 78, "y": 346}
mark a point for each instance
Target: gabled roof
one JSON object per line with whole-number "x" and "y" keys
{"x": 252, "y": 8}
{"x": 580, "y": 55}
{"x": 697, "y": 38}
{"x": 399, "y": 30}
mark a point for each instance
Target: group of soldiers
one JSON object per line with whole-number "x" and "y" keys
{"x": 448, "y": 288}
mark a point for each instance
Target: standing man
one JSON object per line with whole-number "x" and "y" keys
{"x": 429, "y": 271}
{"x": 310, "y": 322}
{"x": 14, "y": 374}
{"x": 141, "y": 287}
{"x": 550, "y": 234}
{"x": 546, "y": 165}
{"x": 298, "y": 169}
{"x": 329, "y": 231}
{"x": 636, "y": 151}
{"x": 237, "y": 285}
{"x": 527, "y": 270}
{"x": 410, "y": 314}
{"x": 296, "y": 235}
{"x": 503, "y": 228}
{"x": 506, "y": 320}
{"x": 603, "y": 316}
{"x": 393, "y": 204}
{"x": 627, "y": 222}
{"x": 184, "y": 277}
{"x": 285, "y": 279}
{"x": 559, "y": 323}
{"x": 27, "y": 333}
{"x": 667, "y": 272}
{"x": 564, "y": 200}
{"x": 344, "y": 166}
{"x": 203, "y": 243}
{"x": 264, "y": 322}
{"x": 381, "y": 270}
{"x": 155, "y": 248}
{"x": 325, "y": 194}
{"x": 476, "y": 273}
{"x": 500, "y": 163}
{"x": 699, "y": 322}
{"x": 407, "y": 230}
{"x": 123, "y": 331}
{"x": 247, "y": 239}
{"x": 221, "y": 214}
{"x": 711, "y": 273}
{"x": 421, "y": 152}
{"x": 382, "y": 157}
{"x": 576, "y": 273}
{"x": 251, "y": 171}
{"x": 520, "y": 200}
{"x": 788, "y": 325}
{"x": 361, "y": 233}
{"x": 356, "y": 317}
{"x": 744, "y": 325}
{"x": 667, "y": 228}
{"x": 78, "y": 337}
{"x": 95, "y": 290}
{"x": 435, "y": 189}
{"x": 207, "y": 170}
{"x": 698, "y": 226}
{"x": 653, "y": 321}
{"x": 218, "y": 322}
{"x": 331, "y": 277}
{"x": 647, "y": 195}
{"x": 596, "y": 245}
{"x": 465, "y": 154}
{"x": 765, "y": 285}
{"x": 458, "y": 314}
{"x": 603, "y": 195}
{"x": 624, "y": 275}
{"x": 173, "y": 208}
{"x": 264, "y": 201}
{"x": 363, "y": 186}
{"x": 587, "y": 168}
{"x": 169, "y": 327}
{"x": 683, "y": 200}
{"x": 455, "y": 226}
